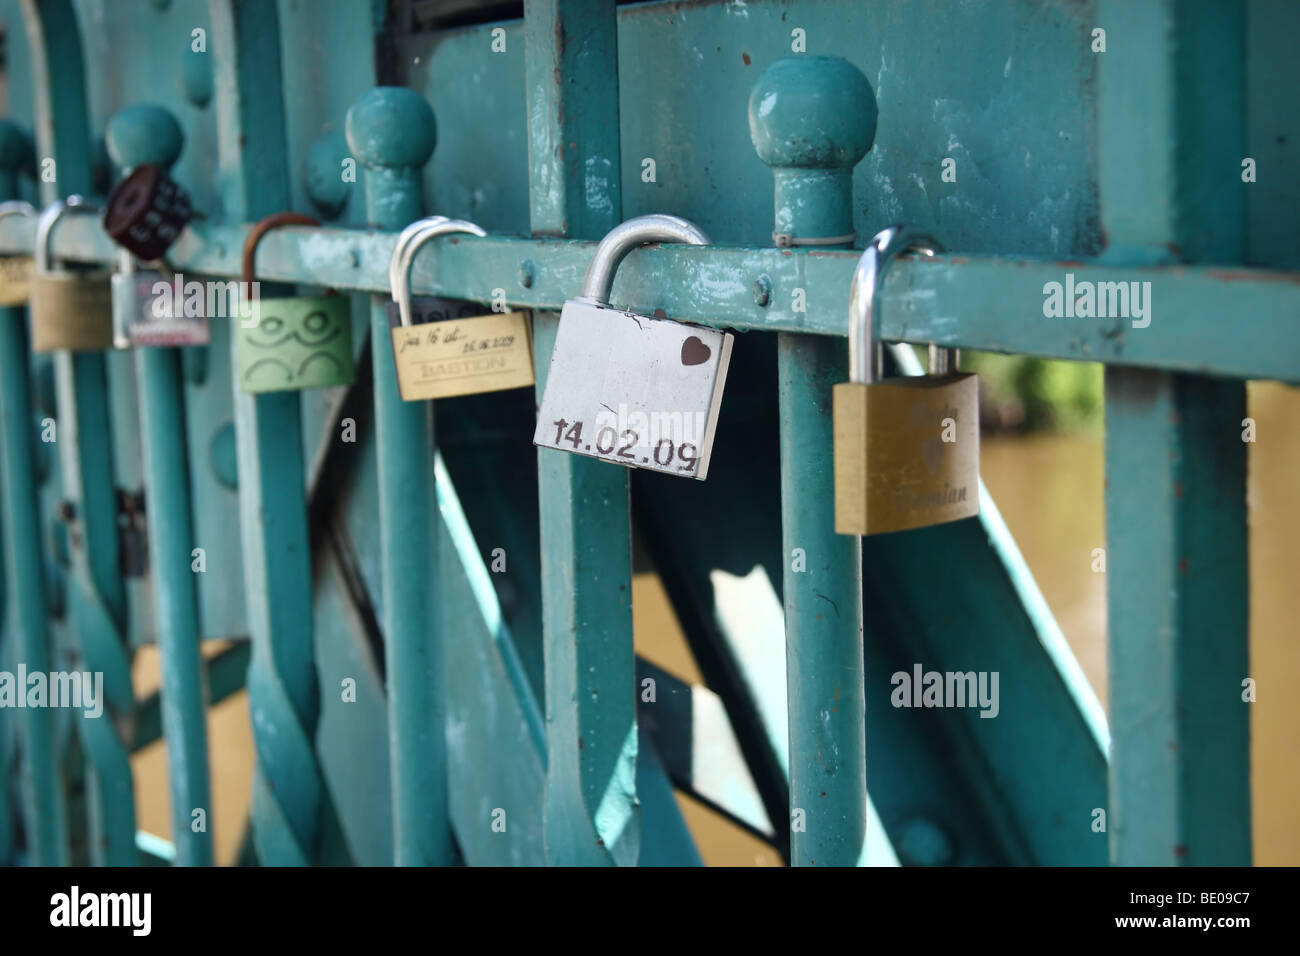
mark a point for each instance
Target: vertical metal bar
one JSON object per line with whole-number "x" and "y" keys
{"x": 171, "y": 539}
{"x": 816, "y": 117}
{"x": 288, "y": 788}
{"x": 591, "y": 814}
{"x": 96, "y": 593}
{"x": 390, "y": 131}
{"x": 1171, "y": 89}
{"x": 152, "y": 135}
{"x": 25, "y": 586}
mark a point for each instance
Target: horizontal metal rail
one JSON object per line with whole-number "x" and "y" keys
{"x": 985, "y": 303}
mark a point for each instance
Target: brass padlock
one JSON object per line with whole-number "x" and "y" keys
{"x": 447, "y": 355}
{"x": 69, "y": 310}
{"x": 15, "y": 271}
{"x": 290, "y": 344}
{"x": 906, "y": 449}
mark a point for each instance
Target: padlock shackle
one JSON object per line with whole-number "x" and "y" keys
{"x": 45, "y": 225}
{"x": 864, "y": 341}
{"x": 405, "y": 254}
{"x": 623, "y": 238}
{"x": 248, "y": 271}
{"x": 403, "y": 239}
{"x": 16, "y": 207}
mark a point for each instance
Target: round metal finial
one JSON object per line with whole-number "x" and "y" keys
{"x": 144, "y": 133}
{"x": 811, "y": 118}
{"x": 325, "y": 184}
{"x": 196, "y": 75}
{"x": 812, "y": 112}
{"x": 391, "y": 126}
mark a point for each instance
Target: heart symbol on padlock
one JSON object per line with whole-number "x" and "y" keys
{"x": 695, "y": 352}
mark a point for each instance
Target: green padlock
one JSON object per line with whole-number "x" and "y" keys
{"x": 291, "y": 344}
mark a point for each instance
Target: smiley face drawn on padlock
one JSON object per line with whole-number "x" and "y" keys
{"x": 295, "y": 343}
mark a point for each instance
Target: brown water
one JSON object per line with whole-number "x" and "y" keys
{"x": 1049, "y": 490}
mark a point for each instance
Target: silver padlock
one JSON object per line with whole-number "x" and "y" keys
{"x": 631, "y": 389}
{"x": 149, "y": 310}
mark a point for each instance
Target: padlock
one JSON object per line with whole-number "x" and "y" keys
{"x": 69, "y": 310}
{"x": 146, "y": 212}
{"x": 148, "y": 310}
{"x": 906, "y": 449}
{"x": 442, "y": 348}
{"x": 15, "y": 271}
{"x": 295, "y": 343}
{"x": 634, "y": 390}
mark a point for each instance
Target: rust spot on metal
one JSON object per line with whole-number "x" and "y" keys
{"x": 1178, "y": 489}
{"x": 1250, "y": 275}
{"x": 1182, "y": 566}
{"x": 745, "y": 57}
{"x": 580, "y": 744}
{"x": 1180, "y": 849}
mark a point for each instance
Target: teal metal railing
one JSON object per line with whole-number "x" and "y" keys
{"x": 367, "y": 567}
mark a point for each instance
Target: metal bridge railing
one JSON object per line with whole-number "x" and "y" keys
{"x": 1175, "y": 397}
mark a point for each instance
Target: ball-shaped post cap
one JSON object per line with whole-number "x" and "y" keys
{"x": 325, "y": 187}
{"x": 391, "y": 126}
{"x": 144, "y": 133}
{"x": 15, "y": 148}
{"x": 812, "y": 112}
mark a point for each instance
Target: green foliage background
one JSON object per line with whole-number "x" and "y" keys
{"x": 1031, "y": 394}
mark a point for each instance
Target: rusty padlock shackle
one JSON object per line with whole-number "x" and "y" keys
{"x": 50, "y": 215}
{"x": 261, "y": 228}
{"x": 865, "y": 357}
{"x": 408, "y": 244}
{"x": 623, "y": 238}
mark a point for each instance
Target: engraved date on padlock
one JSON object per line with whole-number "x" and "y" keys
{"x": 633, "y": 390}
{"x": 452, "y": 348}
{"x": 15, "y": 273}
{"x": 906, "y": 453}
